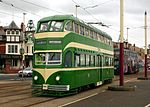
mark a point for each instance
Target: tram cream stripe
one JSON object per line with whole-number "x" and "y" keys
{"x": 87, "y": 47}
{"x": 48, "y": 72}
{"x": 51, "y": 34}
{"x": 48, "y": 51}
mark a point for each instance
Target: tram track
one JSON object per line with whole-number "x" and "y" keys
{"x": 20, "y": 95}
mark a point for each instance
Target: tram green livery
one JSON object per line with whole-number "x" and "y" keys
{"x": 70, "y": 55}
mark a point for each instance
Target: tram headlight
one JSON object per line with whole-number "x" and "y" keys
{"x": 57, "y": 78}
{"x": 35, "y": 78}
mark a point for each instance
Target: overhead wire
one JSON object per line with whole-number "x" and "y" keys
{"x": 9, "y": 14}
{"x": 93, "y": 6}
{"x": 9, "y": 4}
{"x": 41, "y": 6}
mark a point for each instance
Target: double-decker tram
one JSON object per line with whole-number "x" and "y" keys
{"x": 70, "y": 55}
{"x": 131, "y": 61}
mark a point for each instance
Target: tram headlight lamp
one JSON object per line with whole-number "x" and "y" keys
{"x": 35, "y": 78}
{"x": 57, "y": 78}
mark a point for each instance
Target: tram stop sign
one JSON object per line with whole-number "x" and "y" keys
{"x": 21, "y": 51}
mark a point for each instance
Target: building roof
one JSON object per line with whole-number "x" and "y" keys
{"x": 12, "y": 26}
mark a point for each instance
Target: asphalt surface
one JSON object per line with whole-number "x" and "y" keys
{"x": 12, "y": 77}
{"x": 138, "y": 98}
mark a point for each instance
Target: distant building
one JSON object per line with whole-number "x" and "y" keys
{"x": 11, "y": 40}
{"x": 129, "y": 46}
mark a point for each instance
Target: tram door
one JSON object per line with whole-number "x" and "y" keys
{"x": 100, "y": 60}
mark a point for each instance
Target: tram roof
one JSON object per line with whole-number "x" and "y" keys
{"x": 71, "y": 17}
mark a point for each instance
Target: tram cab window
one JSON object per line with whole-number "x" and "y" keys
{"x": 44, "y": 27}
{"x": 54, "y": 58}
{"x": 56, "y": 26}
{"x": 40, "y": 58}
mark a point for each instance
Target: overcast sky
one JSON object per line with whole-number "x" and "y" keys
{"x": 105, "y": 11}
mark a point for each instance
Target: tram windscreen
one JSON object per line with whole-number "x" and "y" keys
{"x": 48, "y": 58}
{"x": 52, "y": 26}
{"x": 56, "y": 26}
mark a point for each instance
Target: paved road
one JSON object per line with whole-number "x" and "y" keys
{"x": 11, "y": 77}
{"x": 138, "y": 98}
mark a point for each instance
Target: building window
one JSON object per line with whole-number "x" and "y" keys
{"x": 8, "y": 38}
{"x": 8, "y": 32}
{"x": 16, "y": 49}
{"x": 17, "y": 38}
{"x": 12, "y": 32}
{"x": 14, "y": 62}
{"x": 1, "y": 38}
{"x": 12, "y": 48}
{"x": 17, "y": 32}
{"x": 12, "y": 38}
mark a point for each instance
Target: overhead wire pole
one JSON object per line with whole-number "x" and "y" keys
{"x": 145, "y": 65}
{"x": 121, "y": 44}
{"x": 145, "y": 27}
{"x": 121, "y": 86}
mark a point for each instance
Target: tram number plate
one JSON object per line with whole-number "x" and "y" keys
{"x": 45, "y": 86}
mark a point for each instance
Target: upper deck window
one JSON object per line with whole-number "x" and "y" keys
{"x": 69, "y": 26}
{"x": 56, "y": 26}
{"x": 44, "y": 27}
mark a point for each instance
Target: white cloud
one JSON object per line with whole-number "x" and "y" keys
{"x": 107, "y": 12}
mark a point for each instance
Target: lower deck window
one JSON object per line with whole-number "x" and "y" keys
{"x": 54, "y": 57}
{"x": 48, "y": 58}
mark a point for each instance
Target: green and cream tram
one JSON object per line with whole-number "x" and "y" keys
{"x": 70, "y": 55}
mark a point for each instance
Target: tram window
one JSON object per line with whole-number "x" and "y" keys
{"x": 77, "y": 60}
{"x": 44, "y": 26}
{"x": 106, "y": 61}
{"x": 87, "y": 60}
{"x": 98, "y": 37}
{"x": 82, "y": 58}
{"x": 54, "y": 58}
{"x": 76, "y": 28}
{"x": 86, "y": 32}
{"x": 92, "y": 60}
{"x": 68, "y": 59}
{"x": 95, "y": 35}
{"x": 68, "y": 26}
{"x": 91, "y": 34}
{"x": 56, "y": 26}
{"x": 40, "y": 58}
{"x": 81, "y": 30}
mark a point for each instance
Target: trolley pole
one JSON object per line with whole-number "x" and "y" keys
{"x": 121, "y": 44}
{"x": 145, "y": 27}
